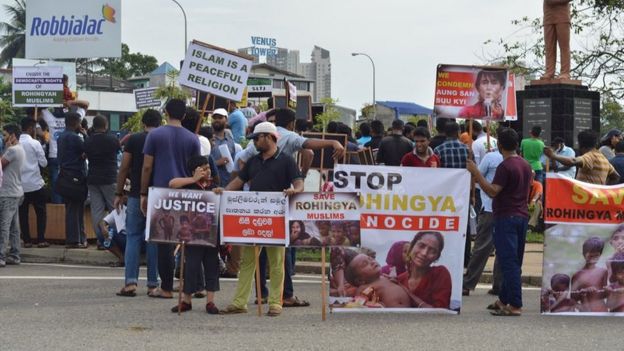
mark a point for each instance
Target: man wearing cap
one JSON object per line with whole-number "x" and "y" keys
{"x": 220, "y": 137}
{"x": 270, "y": 170}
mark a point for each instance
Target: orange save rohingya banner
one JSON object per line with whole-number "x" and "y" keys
{"x": 571, "y": 201}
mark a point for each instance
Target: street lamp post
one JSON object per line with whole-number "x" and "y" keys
{"x": 185, "y": 26}
{"x": 373, "y": 63}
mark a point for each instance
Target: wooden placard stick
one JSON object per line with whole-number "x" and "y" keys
{"x": 181, "y": 289}
{"x": 201, "y": 114}
{"x": 323, "y": 285}
{"x": 258, "y": 291}
{"x": 487, "y": 133}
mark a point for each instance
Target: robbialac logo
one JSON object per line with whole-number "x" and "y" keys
{"x": 72, "y": 25}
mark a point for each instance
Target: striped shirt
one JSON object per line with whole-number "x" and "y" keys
{"x": 594, "y": 168}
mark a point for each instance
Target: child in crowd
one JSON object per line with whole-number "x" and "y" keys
{"x": 615, "y": 290}
{"x": 588, "y": 283}
{"x": 559, "y": 290}
{"x": 196, "y": 255}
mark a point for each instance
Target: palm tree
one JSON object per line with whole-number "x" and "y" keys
{"x": 13, "y": 39}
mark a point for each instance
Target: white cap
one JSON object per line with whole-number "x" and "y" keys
{"x": 264, "y": 128}
{"x": 220, "y": 112}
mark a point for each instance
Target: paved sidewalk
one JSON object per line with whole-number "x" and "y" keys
{"x": 531, "y": 269}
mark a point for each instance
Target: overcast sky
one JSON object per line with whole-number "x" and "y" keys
{"x": 406, "y": 39}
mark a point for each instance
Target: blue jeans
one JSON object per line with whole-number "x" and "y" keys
{"x": 53, "y": 169}
{"x": 509, "y": 239}
{"x": 9, "y": 228}
{"x": 135, "y": 238}
{"x": 288, "y": 266}
{"x": 540, "y": 175}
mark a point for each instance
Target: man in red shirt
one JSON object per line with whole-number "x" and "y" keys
{"x": 422, "y": 155}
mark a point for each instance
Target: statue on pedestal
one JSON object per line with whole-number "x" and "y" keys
{"x": 557, "y": 25}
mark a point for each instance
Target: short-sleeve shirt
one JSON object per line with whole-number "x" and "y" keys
{"x": 480, "y": 147}
{"x": 532, "y": 151}
{"x": 392, "y": 149}
{"x": 273, "y": 174}
{"x": 12, "y": 179}
{"x": 289, "y": 143}
{"x": 238, "y": 125}
{"x": 102, "y": 150}
{"x": 224, "y": 175}
{"x": 70, "y": 151}
{"x": 410, "y": 159}
{"x": 134, "y": 146}
{"x": 171, "y": 148}
{"x": 514, "y": 176}
{"x": 487, "y": 168}
{"x": 452, "y": 154}
{"x": 594, "y": 168}
{"x": 56, "y": 125}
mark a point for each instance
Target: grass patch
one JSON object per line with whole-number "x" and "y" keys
{"x": 535, "y": 237}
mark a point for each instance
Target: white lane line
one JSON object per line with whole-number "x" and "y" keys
{"x": 71, "y": 266}
{"x": 40, "y": 277}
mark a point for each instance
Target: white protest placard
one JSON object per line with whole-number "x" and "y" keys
{"x": 69, "y": 68}
{"x": 324, "y": 219}
{"x": 37, "y": 86}
{"x": 215, "y": 70}
{"x": 254, "y": 218}
{"x": 182, "y": 215}
{"x": 73, "y": 29}
{"x": 144, "y": 98}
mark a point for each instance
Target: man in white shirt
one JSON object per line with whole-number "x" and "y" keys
{"x": 32, "y": 183}
{"x": 10, "y": 193}
{"x": 480, "y": 146}
{"x": 561, "y": 149}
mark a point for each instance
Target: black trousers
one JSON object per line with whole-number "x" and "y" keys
{"x": 38, "y": 199}
{"x": 74, "y": 221}
{"x": 197, "y": 257}
{"x": 166, "y": 265}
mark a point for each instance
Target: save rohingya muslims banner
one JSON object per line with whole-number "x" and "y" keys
{"x": 413, "y": 225}
{"x": 584, "y": 252}
{"x": 215, "y": 70}
{"x": 324, "y": 219}
{"x": 254, "y": 218}
{"x": 179, "y": 215}
{"x": 474, "y": 92}
{"x": 73, "y": 28}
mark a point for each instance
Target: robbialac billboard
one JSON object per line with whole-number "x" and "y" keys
{"x": 73, "y": 28}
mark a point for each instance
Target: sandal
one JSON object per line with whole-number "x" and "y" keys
{"x": 43, "y": 244}
{"x": 506, "y": 312}
{"x": 274, "y": 311}
{"x": 495, "y": 306}
{"x": 295, "y": 302}
{"x": 127, "y": 292}
{"x": 231, "y": 309}
{"x": 200, "y": 294}
{"x": 183, "y": 307}
{"x": 264, "y": 301}
{"x": 159, "y": 294}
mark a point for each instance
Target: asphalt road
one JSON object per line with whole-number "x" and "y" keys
{"x": 54, "y": 307}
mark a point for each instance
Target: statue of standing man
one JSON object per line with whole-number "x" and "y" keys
{"x": 557, "y": 31}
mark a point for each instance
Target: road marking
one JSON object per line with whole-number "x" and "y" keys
{"x": 41, "y": 277}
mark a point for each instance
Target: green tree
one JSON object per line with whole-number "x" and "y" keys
{"x": 12, "y": 37}
{"x": 367, "y": 111}
{"x": 330, "y": 114}
{"x": 596, "y": 26}
{"x": 128, "y": 65}
{"x": 7, "y": 114}
{"x": 611, "y": 115}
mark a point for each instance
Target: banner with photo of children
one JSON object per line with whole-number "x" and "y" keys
{"x": 584, "y": 251}
{"x": 179, "y": 215}
{"x": 413, "y": 226}
{"x": 324, "y": 219}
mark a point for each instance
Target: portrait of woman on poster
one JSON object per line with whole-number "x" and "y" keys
{"x": 490, "y": 86}
{"x": 428, "y": 286}
{"x": 298, "y": 235}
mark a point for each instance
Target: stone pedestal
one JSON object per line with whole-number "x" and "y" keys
{"x": 562, "y": 110}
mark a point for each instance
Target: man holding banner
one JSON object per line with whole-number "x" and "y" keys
{"x": 510, "y": 191}
{"x": 271, "y": 170}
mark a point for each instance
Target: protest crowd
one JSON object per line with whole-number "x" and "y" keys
{"x": 241, "y": 149}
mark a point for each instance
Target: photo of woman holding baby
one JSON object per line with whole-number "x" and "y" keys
{"x": 429, "y": 286}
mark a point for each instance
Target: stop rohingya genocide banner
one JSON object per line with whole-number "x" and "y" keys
{"x": 584, "y": 250}
{"x": 413, "y": 223}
